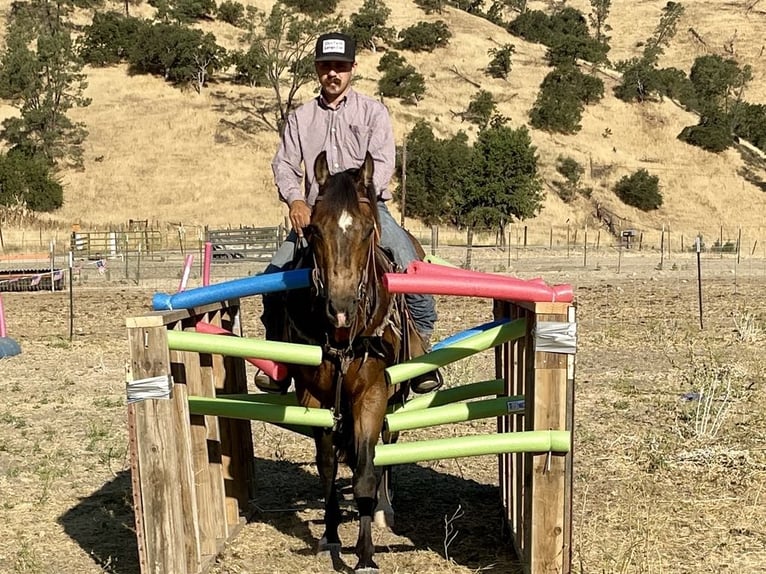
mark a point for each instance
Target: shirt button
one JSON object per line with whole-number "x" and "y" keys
{"x": 335, "y": 165}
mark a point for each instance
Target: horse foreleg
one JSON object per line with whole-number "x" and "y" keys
{"x": 384, "y": 511}
{"x": 368, "y": 421}
{"x": 327, "y": 465}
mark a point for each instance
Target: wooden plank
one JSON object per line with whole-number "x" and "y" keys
{"x": 186, "y": 484}
{"x": 165, "y": 318}
{"x": 156, "y": 445}
{"x": 188, "y": 374}
{"x": 236, "y": 435}
{"x": 548, "y": 473}
{"x": 209, "y": 427}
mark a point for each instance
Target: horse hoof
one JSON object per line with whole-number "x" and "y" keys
{"x": 331, "y": 547}
{"x": 367, "y": 570}
{"x": 384, "y": 519}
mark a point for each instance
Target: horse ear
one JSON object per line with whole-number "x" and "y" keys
{"x": 368, "y": 168}
{"x": 321, "y": 169}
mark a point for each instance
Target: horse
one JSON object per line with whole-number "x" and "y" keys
{"x": 362, "y": 329}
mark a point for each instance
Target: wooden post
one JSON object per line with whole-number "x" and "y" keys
{"x": 536, "y": 488}
{"x": 192, "y": 475}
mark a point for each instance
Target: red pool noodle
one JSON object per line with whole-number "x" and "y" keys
{"x": 276, "y": 371}
{"x": 563, "y": 293}
{"x": 474, "y": 287}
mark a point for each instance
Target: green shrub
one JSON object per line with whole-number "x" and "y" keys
{"x": 369, "y": 24}
{"x": 174, "y": 52}
{"x": 559, "y": 104}
{"x": 713, "y": 133}
{"x": 481, "y": 108}
{"x": 313, "y": 7}
{"x": 533, "y": 26}
{"x": 425, "y": 36}
{"x": 28, "y": 181}
{"x": 500, "y": 64}
{"x": 749, "y": 122}
{"x": 250, "y": 67}
{"x": 431, "y": 6}
{"x": 400, "y": 80}
{"x": 108, "y": 38}
{"x": 640, "y": 190}
{"x": 231, "y": 12}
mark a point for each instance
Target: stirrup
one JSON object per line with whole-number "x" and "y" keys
{"x": 427, "y": 382}
{"x": 268, "y": 385}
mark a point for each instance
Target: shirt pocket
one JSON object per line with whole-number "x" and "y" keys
{"x": 358, "y": 142}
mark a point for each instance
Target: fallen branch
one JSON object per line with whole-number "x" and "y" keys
{"x": 462, "y": 76}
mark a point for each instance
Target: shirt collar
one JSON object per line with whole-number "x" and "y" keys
{"x": 323, "y": 104}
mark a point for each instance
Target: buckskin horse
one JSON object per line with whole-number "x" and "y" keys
{"x": 362, "y": 329}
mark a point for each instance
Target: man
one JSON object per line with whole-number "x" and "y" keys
{"x": 346, "y": 125}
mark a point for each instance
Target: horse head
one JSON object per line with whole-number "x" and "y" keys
{"x": 343, "y": 234}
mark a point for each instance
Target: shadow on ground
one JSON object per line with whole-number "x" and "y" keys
{"x": 422, "y": 499}
{"x": 103, "y": 525}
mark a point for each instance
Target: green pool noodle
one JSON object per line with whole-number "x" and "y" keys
{"x": 236, "y": 409}
{"x": 292, "y": 353}
{"x": 459, "y": 350}
{"x": 454, "y": 394}
{"x": 529, "y": 441}
{"x": 453, "y": 413}
{"x": 288, "y": 399}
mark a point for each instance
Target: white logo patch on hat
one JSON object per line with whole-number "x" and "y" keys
{"x": 334, "y": 46}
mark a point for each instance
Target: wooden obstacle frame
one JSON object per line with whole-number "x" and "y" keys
{"x": 193, "y": 475}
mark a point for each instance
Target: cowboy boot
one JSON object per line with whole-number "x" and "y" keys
{"x": 430, "y": 381}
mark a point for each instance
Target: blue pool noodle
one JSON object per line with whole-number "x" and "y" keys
{"x": 254, "y": 285}
{"x": 452, "y": 339}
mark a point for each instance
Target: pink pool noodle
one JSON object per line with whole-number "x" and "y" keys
{"x": 2, "y": 320}
{"x": 473, "y": 287}
{"x": 422, "y": 269}
{"x": 206, "y": 264}
{"x": 187, "y": 270}
{"x": 276, "y": 371}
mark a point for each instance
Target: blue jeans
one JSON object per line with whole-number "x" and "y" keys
{"x": 395, "y": 240}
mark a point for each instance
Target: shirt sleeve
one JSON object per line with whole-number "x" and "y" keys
{"x": 383, "y": 151}
{"x": 286, "y": 165}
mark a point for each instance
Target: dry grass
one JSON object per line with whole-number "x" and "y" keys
{"x": 654, "y": 491}
{"x": 165, "y": 155}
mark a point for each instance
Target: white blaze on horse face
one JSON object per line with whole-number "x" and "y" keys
{"x": 345, "y": 220}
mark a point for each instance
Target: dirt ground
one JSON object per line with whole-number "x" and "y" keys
{"x": 670, "y": 459}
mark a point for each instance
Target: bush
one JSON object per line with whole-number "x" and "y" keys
{"x": 533, "y": 26}
{"x": 313, "y": 7}
{"x": 565, "y": 32}
{"x": 28, "y": 181}
{"x": 713, "y": 133}
{"x": 400, "y": 80}
{"x": 749, "y": 122}
{"x": 369, "y": 24}
{"x": 425, "y": 36}
{"x": 108, "y": 38}
{"x": 572, "y": 172}
{"x": 231, "y": 12}
{"x": 431, "y": 6}
{"x": 250, "y": 67}
{"x": 559, "y": 104}
{"x": 481, "y": 109}
{"x": 500, "y": 64}
{"x": 174, "y": 52}
{"x": 640, "y": 190}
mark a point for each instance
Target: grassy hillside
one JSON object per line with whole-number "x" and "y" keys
{"x": 159, "y": 153}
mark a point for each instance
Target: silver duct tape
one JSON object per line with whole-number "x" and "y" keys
{"x": 151, "y": 388}
{"x": 556, "y": 337}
